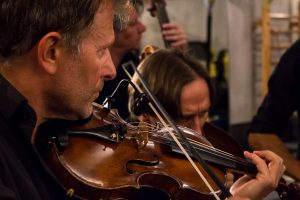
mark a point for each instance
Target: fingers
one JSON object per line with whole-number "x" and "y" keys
{"x": 275, "y": 163}
{"x": 229, "y": 178}
{"x": 270, "y": 168}
{"x": 240, "y": 182}
{"x": 269, "y": 156}
{"x": 269, "y": 165}
{"x": 174, "y": 33}
{"x": 259, "y": 162}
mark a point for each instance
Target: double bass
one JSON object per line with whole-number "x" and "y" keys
{"x": 158, "y": 9}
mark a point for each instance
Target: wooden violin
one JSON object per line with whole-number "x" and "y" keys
{"x": 107, "y": 158}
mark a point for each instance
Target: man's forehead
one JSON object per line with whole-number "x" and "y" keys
{"x": 102, "y": 27}
{"x": 195, "y": 106}
{"x": 195, "y": 110}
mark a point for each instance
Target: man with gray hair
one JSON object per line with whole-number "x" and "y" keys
{"x": 54, "y": 60}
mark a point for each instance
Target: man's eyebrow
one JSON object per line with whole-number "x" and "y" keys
{"x": 107, "y": 44}
{"x": 199, "y": 112}
{"x": 204, "y": 111}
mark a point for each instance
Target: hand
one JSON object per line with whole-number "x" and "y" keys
{"x": 272, "y": 142}
{"x": 229, "y": 179}
{"x": 175, "y": 34}
{"x": 270, "y": 169}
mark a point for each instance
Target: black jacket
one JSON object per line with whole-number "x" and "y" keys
{"x": 283, "y": 97}
{"x": 23, "y": 174}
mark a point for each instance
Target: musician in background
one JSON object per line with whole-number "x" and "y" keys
{"x": 126, "y": 47}
{"x": 183, "y": 88}
{"x": 272, "y": 117}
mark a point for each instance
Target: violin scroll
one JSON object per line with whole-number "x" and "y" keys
{"x": 156, "y": 4}
{"x": 147, "y": 51}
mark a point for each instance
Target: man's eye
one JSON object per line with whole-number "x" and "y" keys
{"x": 187, "y": 118}
{"x": 201, "y": 114}
{"x": 101, "y": 52}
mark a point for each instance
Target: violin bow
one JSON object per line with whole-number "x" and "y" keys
{"x": 172, "y": 123}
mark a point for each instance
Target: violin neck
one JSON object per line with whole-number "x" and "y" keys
{"x": 163, "y": 18}
{"x": 219, "y": 158}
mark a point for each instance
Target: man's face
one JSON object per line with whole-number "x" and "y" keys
{"x": 130, "y": 37}
{"x": 81, "y": 77}
{"x": 194, "y": 104}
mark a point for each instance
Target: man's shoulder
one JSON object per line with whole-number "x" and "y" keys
{"x": 293, "y": 49}
{"x": 131, "y": 56}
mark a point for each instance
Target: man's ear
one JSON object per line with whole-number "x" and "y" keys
{"x": 49, "y": 48}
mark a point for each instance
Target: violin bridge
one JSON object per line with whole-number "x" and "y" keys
{"x": 141, "y": 136}
{"x": 142, "y": 139}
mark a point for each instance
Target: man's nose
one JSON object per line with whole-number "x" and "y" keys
{"x": 109, "y": 69}
{"x": 197, "y": 124}
{"x": 142, "y": 27}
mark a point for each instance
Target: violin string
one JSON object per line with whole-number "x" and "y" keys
{"x": 159, "y": 137}
{"x": 207, "y": 148}
{"x": 154, "y": 128}
{"x": 211, "y": 151}
{"x": 199, "y": 144}
{"x": 211, "y": 148}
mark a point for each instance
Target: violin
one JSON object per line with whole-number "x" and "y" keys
{"x": 108, "y": 158}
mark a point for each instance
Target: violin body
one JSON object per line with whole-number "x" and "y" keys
{"x": 96, "y": 168}
{"x": 99, "y": 165}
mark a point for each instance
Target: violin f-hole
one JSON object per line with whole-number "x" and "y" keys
{"x": 132, "y": 166}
